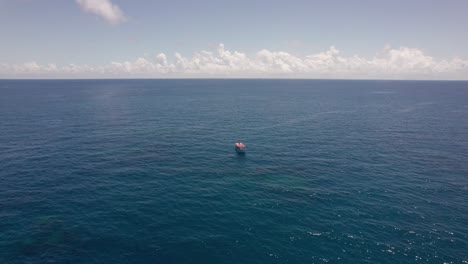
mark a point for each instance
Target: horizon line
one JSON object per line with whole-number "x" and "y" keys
{"x": 231, "y": 78}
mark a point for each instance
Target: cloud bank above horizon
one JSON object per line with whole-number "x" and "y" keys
{"x": 389, "y": 63}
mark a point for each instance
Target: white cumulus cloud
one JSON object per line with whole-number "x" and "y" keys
{"x": 390, "y": 63}
{"x": 103, "y": 8}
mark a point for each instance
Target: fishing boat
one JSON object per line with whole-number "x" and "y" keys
{"x": 239, "y": 147}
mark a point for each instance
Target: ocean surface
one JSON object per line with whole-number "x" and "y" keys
{"x": 144, "y": 171}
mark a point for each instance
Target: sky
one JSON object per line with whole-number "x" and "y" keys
{"x": 411, "y": 39}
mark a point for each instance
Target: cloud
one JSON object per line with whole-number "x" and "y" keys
{"x": 103, "y": 8}
{"x": 389, "y": 63}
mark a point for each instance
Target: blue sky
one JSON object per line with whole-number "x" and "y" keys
{"x": 427, "y": 38}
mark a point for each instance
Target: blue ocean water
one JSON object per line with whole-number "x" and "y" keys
{"x": 144, "y": 171}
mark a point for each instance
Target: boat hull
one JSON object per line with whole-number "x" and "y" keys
{"x": 240, "y": 151}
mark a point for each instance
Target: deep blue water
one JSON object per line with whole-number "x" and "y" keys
{"x": 144, "y": 171}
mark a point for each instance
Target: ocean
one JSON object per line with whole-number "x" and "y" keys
{"x": 144, "y": 171}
